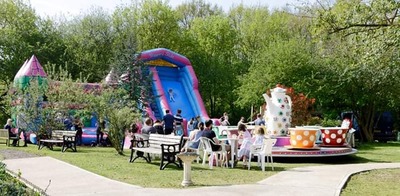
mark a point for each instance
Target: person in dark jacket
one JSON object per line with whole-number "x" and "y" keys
{"x": 9, "y": 127}
{"x": 168, "y": 121}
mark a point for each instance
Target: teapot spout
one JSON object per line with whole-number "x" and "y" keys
{"x": 267, "y": 100}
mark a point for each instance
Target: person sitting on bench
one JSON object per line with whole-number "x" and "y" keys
{"x": 9, "y": 127}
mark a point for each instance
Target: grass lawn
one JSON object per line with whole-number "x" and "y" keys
{"x": 106, "y": 162}
{"x": 376, "y": 182}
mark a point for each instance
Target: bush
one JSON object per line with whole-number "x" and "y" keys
{"x": 314, "y": 121}
{"x": 11, "y": 186}
{"x": 331, "y": 123}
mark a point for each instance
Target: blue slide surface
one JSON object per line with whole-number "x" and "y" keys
{"x": 171, "y": 78}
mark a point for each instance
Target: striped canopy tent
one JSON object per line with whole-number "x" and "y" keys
{"x": 30, "y": 69}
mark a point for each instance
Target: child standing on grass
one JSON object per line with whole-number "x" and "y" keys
{"x": 244, "y": 150}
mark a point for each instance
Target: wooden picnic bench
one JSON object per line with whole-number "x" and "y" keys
{"x": 5, "y": 135}
{"x": 66, "y": 139}
{"x": 168, "y": 146}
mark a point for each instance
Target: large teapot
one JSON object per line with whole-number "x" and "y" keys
{"x": 279, "y": 110}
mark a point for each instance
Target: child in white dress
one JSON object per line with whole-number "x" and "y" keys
{"x": 244, "y": 150}
{"x": 258, "y": 139}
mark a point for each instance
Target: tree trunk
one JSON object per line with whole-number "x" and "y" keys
{"x": 366, "y": 122}
{"x": 212, "y": 105}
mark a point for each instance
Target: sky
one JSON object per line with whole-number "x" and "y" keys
{"x": 74, "y": 7}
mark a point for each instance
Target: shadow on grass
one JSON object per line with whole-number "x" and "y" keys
{"x": 373, "y": 145}
{"x": 156, "y": 163}
{"x": 349, "y": 159}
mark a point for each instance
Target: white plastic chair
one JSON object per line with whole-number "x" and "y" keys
{"x": 262, "y": 151}
{"x": 213, "y": 154}
{"x": 350, "y": 138}
{"x": 197, "y": 150}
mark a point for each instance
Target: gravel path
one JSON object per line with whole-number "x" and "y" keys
{"x": 15, "y": 154}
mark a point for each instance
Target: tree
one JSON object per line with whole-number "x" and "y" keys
{"x": 18, "y": 38}
{"x": 286, "y": 58}
{"x": 360, "y": 42}
{"x": 215, "y": 62}
{"x": 23, "y": 33}
{"x": 89, "y": 42}
{"x": 189, "y": 11}
{"x": 113, "y": 105}
{"x": 156, "y": 24}
{"x": 46, "y": 105}
{"x": 255, "y": 28}
{"x": 110, "y": 102}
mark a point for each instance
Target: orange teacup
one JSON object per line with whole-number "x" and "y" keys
{"x": 301, "y": 137}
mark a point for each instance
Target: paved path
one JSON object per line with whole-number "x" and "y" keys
{"x": 67, "y": 179}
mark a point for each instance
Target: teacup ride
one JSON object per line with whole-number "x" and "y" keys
{"x": 304, "y": 142}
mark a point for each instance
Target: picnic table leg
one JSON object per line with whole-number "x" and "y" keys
{"x": 41, "y": 145}
{"x": 50, "y": 145}
{"x": 148, "y": 158}
{"x": 131, "y": 159}
{"x": 73, "y": 146}
{"x": 138, "y": 155}
{"x": 64, "y": 147}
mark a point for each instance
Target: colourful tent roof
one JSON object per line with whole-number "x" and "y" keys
{"x": 20, "y": 70}
{"x": 32, "y": 68}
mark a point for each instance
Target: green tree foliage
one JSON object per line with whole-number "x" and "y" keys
{"x": 18, "y": 36}
{"x": 23, "y": 33}
{"x": 285, "y": 57}
{"x": 189, "y": 11}
{"x": 216, "y": 63}
{"x": 28, "y": 103}
{"x": 89, "y": 42}
{"x": 255, "y": 28}
{"x": 113, "y": 105}
{"x": 125, "y": 30}
{"x": 156, "y": 25}
{"x": 133, "y": 75}
{"x": 360, "y": 43}
{"x": 343, "y": 53}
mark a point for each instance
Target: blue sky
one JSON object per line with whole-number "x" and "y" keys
{"x": 74, "y": 7}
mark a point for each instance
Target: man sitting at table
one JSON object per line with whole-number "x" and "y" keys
{"x": 210, "y": 134}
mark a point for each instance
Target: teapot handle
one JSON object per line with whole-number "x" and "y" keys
{"x": 289, "y": 100}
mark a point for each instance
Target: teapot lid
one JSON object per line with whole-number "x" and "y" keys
{"x": 278, "y": 90}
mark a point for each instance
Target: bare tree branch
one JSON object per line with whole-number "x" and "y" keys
{"x": 376, "y": 26}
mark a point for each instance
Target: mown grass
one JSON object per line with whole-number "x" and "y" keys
{"x": 106, "y": 162}
{"x": 374, "y": 183}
